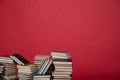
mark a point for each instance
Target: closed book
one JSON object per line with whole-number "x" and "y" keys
{"x": 10, "y": 77}
{"x": 20, "y": 59}
{"x": 62, "y": 72}
{"x": 64, "y": 53}
{"x": 63, "y": 60}
{"x": 42, "y": 76}
{"x": 57, "y": 62}
{"x": 29, "y": 66}
{"x": 61, "y": 75}
{"x": 58, "y": 69}
{"x": 41, "y": 57}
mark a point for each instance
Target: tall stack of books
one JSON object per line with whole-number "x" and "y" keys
{"x": 44, "y": 64}
{"x": 8, "y": 68}
{"x": 26, "y": 72}
{"x": 62, "y": 64}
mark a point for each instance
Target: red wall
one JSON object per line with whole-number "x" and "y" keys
{"x": 88, "y": 29}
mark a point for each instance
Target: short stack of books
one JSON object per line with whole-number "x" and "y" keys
{"x": 9, "y": 72}
{"x": 8, "y": 68}
{"x": 62, "y": 64}
{"x": 44, "y": 63}
{"x": 26, "y": 72}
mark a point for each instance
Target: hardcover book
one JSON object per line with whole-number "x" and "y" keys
{"x": 19, "y": 59}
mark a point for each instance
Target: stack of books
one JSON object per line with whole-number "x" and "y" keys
{"x": 9, "y": 72}
{"x": 26, "y": 72}
{"x": 25, "y": 69}
{"x": 44, "y": 64}
{"x": 8, "y": 68}
{"x": 62, "y": 64}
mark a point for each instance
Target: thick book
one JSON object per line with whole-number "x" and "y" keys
{"x": 65, "y": 63}
{"x": 11, "y": 77}
{"x": 60, "y": 54}
{"x": 63, "y": 60}
{"x": 61, "y": 75}
{"x": 40, "y": 76}
{"x": 19, "y": 59}
{"x": 29, "y": 66}
{"x": 62, "y": 72}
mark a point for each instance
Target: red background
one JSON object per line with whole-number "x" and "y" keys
{"x": 88, "y": 29}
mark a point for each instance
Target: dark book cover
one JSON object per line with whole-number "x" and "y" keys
{"x": 63, "y": 60}
{"x": 20, "y": 58}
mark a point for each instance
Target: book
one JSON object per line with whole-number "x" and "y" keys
{"x": 61, "y": 75}
{"x": 58, "y": 62}
{"x": 61, "y": 72}
{"x": 19, "y": 59}
{"x": 60, "y": 55}
{"x": 64, "y": 70}
{"x": 29, "y": 66}
{"x": 46, "y": 75}
{"x": 63, "y": 60}
{"x": 42, "y": 77}
{"x": 10, "y": 77}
